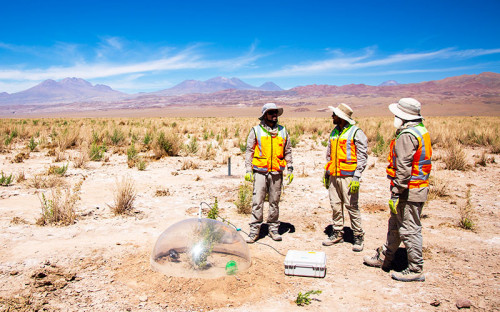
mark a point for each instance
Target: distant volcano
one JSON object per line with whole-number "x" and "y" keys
{"x": 389, "y": 83}
{"x": 65, "y": 91}
{"x": 214, "y": 85}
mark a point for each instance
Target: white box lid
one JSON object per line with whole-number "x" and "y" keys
{"x": 305, "y": 258}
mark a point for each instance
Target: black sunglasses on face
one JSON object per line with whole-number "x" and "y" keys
{"x": 273, "y": 112}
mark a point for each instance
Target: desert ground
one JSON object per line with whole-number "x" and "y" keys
{"x": 101, "y": 261}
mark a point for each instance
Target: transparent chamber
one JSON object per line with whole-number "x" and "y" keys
{"x": 202, "y": 248}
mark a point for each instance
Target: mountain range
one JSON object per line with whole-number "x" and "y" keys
{"x": 214, "y": 85}
{"x": 465, "y": 94}
{"x": 71, "y": 90}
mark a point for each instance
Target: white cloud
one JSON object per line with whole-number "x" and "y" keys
{"x": 342, "y": 64}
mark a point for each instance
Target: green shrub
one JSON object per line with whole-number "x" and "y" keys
{"x": 5, "y": 180}
{"x": 303, "y": 299}
{"x": 131, "y": 152}
{"x": 244, "y": 200}
{"x": 117, "y": 136}
{"x": 96, "y": 153}
{"x": 32, "y": 144}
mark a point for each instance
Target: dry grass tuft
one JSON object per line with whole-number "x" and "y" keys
{"x": 189, "y": 164}
{"x": 18, "y": 220}
{"x": 43, "y": 181}
{"x": 125, "y": 194}
{"x": 60, "y": 208}
{"x": 466, "y": 214}
{"x": 455, "y": 158}
{"x": 162, "y": 192}
{"x": 438, "y": 188}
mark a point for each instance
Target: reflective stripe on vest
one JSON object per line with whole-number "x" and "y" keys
{"x": 269, "y": 153}
{"x": 343, "y": 157}
{"x": 421, "y": 164}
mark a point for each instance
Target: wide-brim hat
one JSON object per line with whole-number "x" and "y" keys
{"x": 343, "y": 111}
{"x": 406, "y": 109}
{"x": 271, "y": 106}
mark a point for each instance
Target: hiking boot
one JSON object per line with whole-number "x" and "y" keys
{"x": 358, "y": 243}
{"x": 275, "y": 235}
{"x": 408, "y": 276}
{"x": 376, "y": 260}
{"x": 335, "y": 238}
{"x": 252, "y": 238}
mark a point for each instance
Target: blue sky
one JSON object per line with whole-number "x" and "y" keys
{"x": 143, "y": 46}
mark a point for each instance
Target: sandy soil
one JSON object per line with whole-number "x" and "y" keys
{"x": 101, "y": 263}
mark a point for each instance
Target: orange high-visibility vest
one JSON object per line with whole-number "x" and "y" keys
{"x": 343, "y": 157}
{"x": 269, "y": 153}
{"x": 421, "y": 164}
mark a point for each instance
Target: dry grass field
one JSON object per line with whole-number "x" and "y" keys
{"x": 83, "y": 200}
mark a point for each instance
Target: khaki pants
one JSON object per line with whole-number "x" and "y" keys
{"x": 340, "y": 197}
{"x": 406, "y": 227}
{"x": 265, "y": 183}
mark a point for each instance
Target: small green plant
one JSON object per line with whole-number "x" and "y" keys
{"x": 166, "y": 145}
{"x": 5, "y": 180}
{"x": 131, "y": 152}
{"x": 32, "y": 144}
{"x": 303, "y": 299}
{"x": 96, "y": 152}
{"x": 141, "y": 165}
{"x": 243, "y": 146}
{"x": 244, "y": 200}
{"x": 58, "y": 170}
{"x": 324, "y": 143}
{"x": 381, "y": 146}
{"x": 466, "y": 214}
{"x": 117, "y": 136}
{"x": 207, "y": 235}
{"x": 192, "y": 147}
{"x": 294, "y": 141}
{"x": 214, "y": 211}
{"x": 148, "y": 138}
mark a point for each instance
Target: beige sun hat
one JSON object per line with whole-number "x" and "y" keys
{"x": 271, "y": 106}
{"x": 343, "y": 111}
{"x": 406, "y": 109}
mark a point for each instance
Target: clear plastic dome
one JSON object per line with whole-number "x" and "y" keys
{"x": 202, "y": 247}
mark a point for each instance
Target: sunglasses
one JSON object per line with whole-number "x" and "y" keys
{"x": 272, "y": 112}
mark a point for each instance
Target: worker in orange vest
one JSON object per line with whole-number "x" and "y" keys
{"x": 268, "y": 154}
{"x": 346, "y": 157}
{"x": 408, "y": 171}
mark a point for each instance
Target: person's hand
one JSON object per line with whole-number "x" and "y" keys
{"x": 289, "y": 178}
{"x": 326, "y": 180}
{"x": 393, "y": 203}
{"x": 249, "y": 176}
{"x": 354, "y": 186}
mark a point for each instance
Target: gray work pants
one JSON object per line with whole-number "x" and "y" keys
{"x": 406, "y": 227}
{"x": 265, "y": 183}
{"x": 340, "y": 197}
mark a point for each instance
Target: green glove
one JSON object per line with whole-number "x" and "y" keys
{"x": 326, "y": 181}
{"x": 289, "y": 178}
{"x": 393, "y": 203}
{"x": 354, "y": 186}
{"x": 249, "y": 177}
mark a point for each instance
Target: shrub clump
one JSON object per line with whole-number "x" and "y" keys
{"x": 244, "y": 200}
{"x": 60, "y": 208}
{"x": 124, "y": 196}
